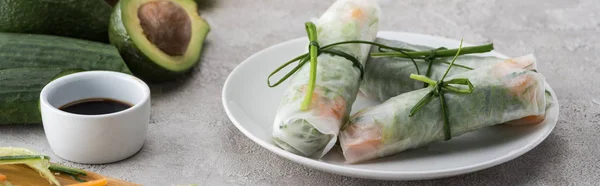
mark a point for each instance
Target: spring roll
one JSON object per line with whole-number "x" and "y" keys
{"x": 510, "y": 92}
{"x": 386, "y": 77}
{"x": 316, "y": 130}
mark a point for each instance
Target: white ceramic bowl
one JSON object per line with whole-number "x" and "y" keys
{"x": 95, "y": 139}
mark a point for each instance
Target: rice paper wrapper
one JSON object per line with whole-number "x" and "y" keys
{"x": 314, "y": 132}
{"x": 507, "y": 92}
{"x": 386, "y": 77}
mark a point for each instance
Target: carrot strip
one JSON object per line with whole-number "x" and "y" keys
{"x": 2, "y": 177}
{"x": 528, "y": 120}
{"x": 100, "y": 182}
{"x": 357, "y": 13}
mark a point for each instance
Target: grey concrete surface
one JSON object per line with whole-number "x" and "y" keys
{"x": 191, "y": 140}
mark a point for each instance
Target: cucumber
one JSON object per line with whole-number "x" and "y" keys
{"x": 67, "y": 170}
{"x": 28, "y": 62}
{"x": 37, "y": 161}
{"x": 84, "y": 19}
{"x": 15, "y": 158}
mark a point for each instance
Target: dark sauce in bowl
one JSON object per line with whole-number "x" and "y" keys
{"x": 95, "y": 106}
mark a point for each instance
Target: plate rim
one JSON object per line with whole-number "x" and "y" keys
{"x": 378, "y": 174}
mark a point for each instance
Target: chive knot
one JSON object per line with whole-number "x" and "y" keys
{"x": 438, "y": 90}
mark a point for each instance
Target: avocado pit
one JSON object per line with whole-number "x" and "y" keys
{"x": 166, "y": 25}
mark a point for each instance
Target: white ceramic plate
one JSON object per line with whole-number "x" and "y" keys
{"x": 251, "y": 105}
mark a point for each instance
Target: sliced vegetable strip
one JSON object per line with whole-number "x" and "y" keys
{"x": 37, "y": 161}
{"x": 100, "y": 182}
{"x": 2, "y": 177}
{"x": 68, "y": 170}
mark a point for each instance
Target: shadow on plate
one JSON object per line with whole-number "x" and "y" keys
{"x": 494, "y": 136}
{"x": 520, "y": 171}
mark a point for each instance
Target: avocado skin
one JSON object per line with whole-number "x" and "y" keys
{"x": 141, "y": 65}
{"x": 82, "y": 19}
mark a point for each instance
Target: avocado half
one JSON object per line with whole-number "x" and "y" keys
{"x": 158, "y": 39}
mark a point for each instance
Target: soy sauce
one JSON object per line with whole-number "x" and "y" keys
{"x": 95, "y": 106}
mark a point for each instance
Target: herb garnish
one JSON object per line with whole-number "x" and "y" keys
{"x": 315, "y": 50}
{"x": 438, "y": 89}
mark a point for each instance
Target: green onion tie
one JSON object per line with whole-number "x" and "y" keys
{"x": 439, "y": 88}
